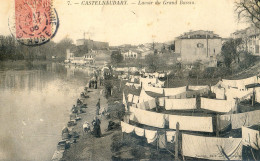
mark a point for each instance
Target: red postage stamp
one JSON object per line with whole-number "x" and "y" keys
{"x": 36, "y": 21}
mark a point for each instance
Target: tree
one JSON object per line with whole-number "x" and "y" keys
{"x": 249, "y": 10}
{"x": 152, "y": 62}
{"x": 116, "y": 57}
{"x": 229, "y": 51}
{"x": 62, "y": 46}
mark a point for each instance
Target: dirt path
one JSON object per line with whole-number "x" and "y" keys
{"x": 89, "y": 147}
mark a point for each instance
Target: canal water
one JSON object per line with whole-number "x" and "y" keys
{"x": 34, "y": 107}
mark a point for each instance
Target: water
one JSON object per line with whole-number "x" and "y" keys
{"x": 34, "y": 107}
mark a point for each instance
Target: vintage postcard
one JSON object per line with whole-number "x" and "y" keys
{"x": 127, "y": 80}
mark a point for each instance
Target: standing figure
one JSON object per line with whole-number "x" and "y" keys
{"x": 95, "y": 84}
{"x": 89, "y": 84}
{"x": 97, "y": 130}
{"x": 98, "y": 107}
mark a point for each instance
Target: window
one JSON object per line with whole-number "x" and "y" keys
{"x": 200, "y": 45}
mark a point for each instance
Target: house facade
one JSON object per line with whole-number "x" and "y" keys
{"x": 86, "y": 59}
{"x": 198, "y": 45}
{"x": 131, "y": 55}
{"x": 250, "y": 39}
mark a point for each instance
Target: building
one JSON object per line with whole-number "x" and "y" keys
{"x": 84, "y": 60}
{"x": 198, "y": 45}
{"x": 130, "y": 54}
{"x": 250, "y": 39}
{"x": 91, "y": 44}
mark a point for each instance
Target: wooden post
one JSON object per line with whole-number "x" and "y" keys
{"x": 157, "y": 142}
{"x": 177, "y": 141}
{"x": 157, "y": 103}
{"x": 217, "y": 125}
{"x": 123, "y": 136}
{"x": 167, "y": 81}
{"x": 253, "y": 97}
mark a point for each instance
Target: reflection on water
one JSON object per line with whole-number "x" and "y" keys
{"x": 34, "y": 107}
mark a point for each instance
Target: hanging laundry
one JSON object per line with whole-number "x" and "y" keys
{"x": 156, "y": 75}
{"x": 170, "y": 136}
{"x": 150, "y": 135}
{"x": 162, "y": 140}
{"x": 250, "y": 137}
{"x": 196, "y": 88}
{"x": 240, "y": 84}
{"x": 228, "y": 83}
{"x": 174, "y": 91}
{"x": 134, "y": 105}
{"x": 160, "y": 83}
{"x": 161, "y": 101}
{"x": 245, "y": 119}
{"x": 212, "y": 148}
{"x": 220, "y": 93}
{"x": 224, "y": 122}
{"x": 141, "y": 105}
{"x": 137, "y": 86}
{"x": 191, "y": 123}
{"x": 161, "y": 75}
{"x": 180, "y": 104}
{"x": 139, "y": 131}
{"x": 147, "y": 118}
{"x": 250, "y": 80}
{"x": 127, "y": 128}
{"x": 135, "y": 99}
{"x": 218, "y": 105}
{"x": 146, "y": 104}
{"x": 144, "y": 96}
{"x": 153, "y": 89}
{"x": 166, "y": 116}
{"x": 152, "y": 103}
{"x": 257, "y": 94}
{"x": 232, "y": 93}
{"x": 130, "y": 97}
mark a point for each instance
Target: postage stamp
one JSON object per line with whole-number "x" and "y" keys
{"x": 34, "y": 22}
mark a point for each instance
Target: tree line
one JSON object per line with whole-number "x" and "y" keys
{"x": 10, "y": 49}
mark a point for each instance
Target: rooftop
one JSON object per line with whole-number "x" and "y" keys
{"x": 199, "y": 34}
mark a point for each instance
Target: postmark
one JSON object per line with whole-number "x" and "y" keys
{"x": 34, "y": 22}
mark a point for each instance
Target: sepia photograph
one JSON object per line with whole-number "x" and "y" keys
{"x": 129, "y": 80}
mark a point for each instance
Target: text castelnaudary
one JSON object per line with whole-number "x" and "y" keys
{"x": 104, "y": 3}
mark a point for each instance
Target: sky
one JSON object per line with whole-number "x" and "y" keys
{"x": 137, "y": 24}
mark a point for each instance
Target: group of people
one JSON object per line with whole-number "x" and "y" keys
{"x": 92, "y": 83}
{"x": 78, "y": 108}
{"x": 95, "y": 123}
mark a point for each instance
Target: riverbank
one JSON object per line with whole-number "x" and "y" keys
{"x": 24, "y": 64}
{"x": 87, "y": 146}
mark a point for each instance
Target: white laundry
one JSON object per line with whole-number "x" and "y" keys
{"x": 147, "y": 118}
{"x": 127, "y": 128}
{"x": 139, "y": 131}
{"x": 174, "y": 91}
{"x": 180, "y": 104}
{"x": 170, "y": 135}
{"x": 150, "y": 135}
{"x": 191, "y": 123}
